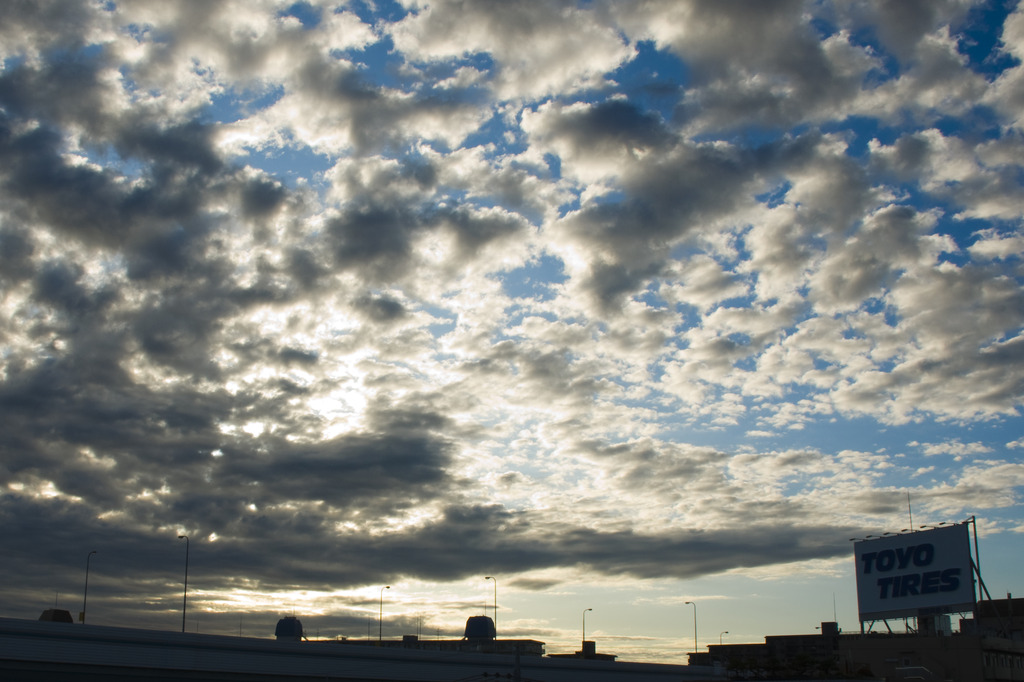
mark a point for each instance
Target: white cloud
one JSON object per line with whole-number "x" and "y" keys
{"x": 954, "y": 448}
{"x": 569, "y": 49}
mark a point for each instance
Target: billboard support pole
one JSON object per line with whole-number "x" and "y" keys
{"x": 976, "y": 564}
{"x": 974, "y": 526}
{"x": 981, "y": 583}
{"x": 1003, "y": 625}
{"x": 982, "y": 588}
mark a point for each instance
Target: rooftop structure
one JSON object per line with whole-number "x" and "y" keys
{"x": 988, "y": 648}
{"x": 35, "y": 650}
{"x": 479, "y": 638}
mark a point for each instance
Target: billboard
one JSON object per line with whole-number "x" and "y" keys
{"x": 915, "y": 574}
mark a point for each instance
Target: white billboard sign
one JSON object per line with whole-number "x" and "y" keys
{"x": 915, "y": 574}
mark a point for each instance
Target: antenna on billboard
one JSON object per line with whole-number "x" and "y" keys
{"x": 910, "y": 512}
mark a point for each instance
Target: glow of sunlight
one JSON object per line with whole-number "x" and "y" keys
{"x": 415, "y": 518}
{"x": 342, "y": 409}
{"x": 97, "y": 460}
{"x": 254, "y": 429}
{"x": 149, "y": 495}
{"x": 808, "y": 568}
{"x": 305, "y": 602}
{"x": 225, "y": 359}
{"x": 40, "y": 489}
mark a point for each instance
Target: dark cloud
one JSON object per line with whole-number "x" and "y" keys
{"x": 763, "y": 68}
{"x": 298, "y": 356}
{"x": 350, "y": 471}
{"x": 373, "y": 117}
{"x": 262, "y": 197}
{"x": 300, "y": 549}
{"x": 870, "y": 263}
{"x": 16, "y": 249}
{"x": 375, "y": 241}
{"x": 41, "y": 26}
{"x": 381, "y": 308}
{"x": 66, "y": 89}
{"x": 184, "y": 147}
{"x": 41, "y": 186}
{"x": 698, "y": 553}
{"x": 615, "y": 124}
{"x": 378, "y": 241}
{"x": 667, "y": 199}
{"x": 900, "y": 27}
{"x": 474, "y": 230}
{"x": 304, "y": 268}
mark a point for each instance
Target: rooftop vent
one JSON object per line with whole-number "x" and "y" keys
{"x": 479, "y": 628}
{"x": 289, "y": 629}
{"x": 57, "y": 616}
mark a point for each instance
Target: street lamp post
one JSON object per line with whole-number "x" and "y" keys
{"x": 489, "y": 577}
{"x": 723, "y": 632}
{"x": 184, "y": 598}
{"x": 583, "y": 647}
{"x": 380, "y": 617}
{"x": 85, "y": 593}
{"x": 694, "y": 625}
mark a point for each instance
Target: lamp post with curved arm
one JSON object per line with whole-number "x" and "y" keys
{"x": 184, "y": 598}
{"x": 85, "y": 593}
{"x": 489, "y": 577}
{"x": 380, "y": 617}
{"x": 694, "y": 625}
{"x": 723, "y": 632}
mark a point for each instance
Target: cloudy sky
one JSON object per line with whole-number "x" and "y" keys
{"x": 626, "y": 304}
